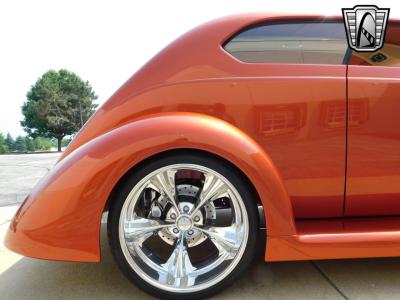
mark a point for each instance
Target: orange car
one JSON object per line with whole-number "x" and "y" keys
{"x": 245, "y": 123}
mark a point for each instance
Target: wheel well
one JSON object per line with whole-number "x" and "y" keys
{"x": 196, "y": 152}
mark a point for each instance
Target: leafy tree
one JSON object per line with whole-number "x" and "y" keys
{"x": 41, "y": 143}
{"x": 20, "y": 144}
{"x": 30, "y": 146}
{"x": 3, "y": 144}
{"x": 10, "y": 142}
{"x": 58, "y": 105}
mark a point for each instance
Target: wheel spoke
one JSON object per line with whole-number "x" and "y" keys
{"x": 226, "y": 239}
{"x": 178, "y": 266}
{"x": 213, "y": 189}
{"x": 164, "y": 183}
{"x": 140, "y": 229}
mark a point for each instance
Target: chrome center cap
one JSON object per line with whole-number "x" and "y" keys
{"x": 184, "y": 223}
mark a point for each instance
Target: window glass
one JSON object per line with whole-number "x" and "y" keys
{"x": 388, "y": 55}
{"x": 304, "y": 42}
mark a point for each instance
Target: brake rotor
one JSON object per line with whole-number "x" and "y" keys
{"x": 194, "y": 237}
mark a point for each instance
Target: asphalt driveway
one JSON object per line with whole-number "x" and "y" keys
{"x": 26, "y": 278}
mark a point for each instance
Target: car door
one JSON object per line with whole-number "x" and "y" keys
{"x": 373, "y": 168}
{"x": 296, "y": 78}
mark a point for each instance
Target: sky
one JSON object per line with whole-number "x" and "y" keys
{"x": 105, "y": 42}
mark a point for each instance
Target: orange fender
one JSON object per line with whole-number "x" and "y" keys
{"x": 61, "y": 218}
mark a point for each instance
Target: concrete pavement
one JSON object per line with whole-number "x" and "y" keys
{"x": 19, "y": 173}
{"x": 26, "y": 278}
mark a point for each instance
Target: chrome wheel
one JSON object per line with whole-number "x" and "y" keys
{"x": 183, "y": 228}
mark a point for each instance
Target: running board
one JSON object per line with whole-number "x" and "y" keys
{"x": 337, "y": 239}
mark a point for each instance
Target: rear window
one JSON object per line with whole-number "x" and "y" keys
{"x": 305, "y": 42}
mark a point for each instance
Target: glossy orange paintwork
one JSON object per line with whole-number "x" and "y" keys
{"x": 337, "y": 238}
{"x": 210, "y": 101}
{"x": 61, "y": 218}
{"x": 373, "y": 185}
{"x": 208, "y": 80}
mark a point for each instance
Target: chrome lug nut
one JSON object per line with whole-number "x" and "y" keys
{"x": 196, "y": 218}
{"x": 173, "y": 216}
{"x": 175, "y": 230}
{"x": 186, "y": 209}
{"x": 190, "y": 232}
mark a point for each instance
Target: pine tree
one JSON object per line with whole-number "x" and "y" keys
{"x": 20, "y": 144}
{"x": 10, "y": 142}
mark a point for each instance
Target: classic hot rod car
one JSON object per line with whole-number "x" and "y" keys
{"x": 245, "y": 123}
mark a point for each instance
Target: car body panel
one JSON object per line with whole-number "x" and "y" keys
{"x": 338, "y": 238}
{"x": 310, "y": 153}
{"x": 373, "y": 176}
{"x": 61, "y": 218}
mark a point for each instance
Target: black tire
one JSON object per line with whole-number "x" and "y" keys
{"x": 219, "y": 165}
